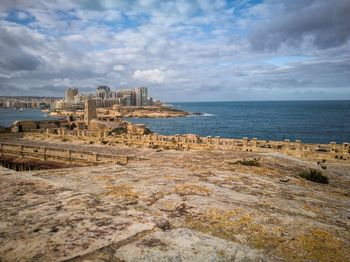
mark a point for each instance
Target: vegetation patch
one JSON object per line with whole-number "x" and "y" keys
{"x": 235, "y": 226}
{"x": 123, "y": 191}
{"x": 314, "y": 176}
{"x": 118, "y": 131}
{"x": 313, "y": 244}
{"x": 192, "y": 189}
{"x": 248, "y": 162}
{"x": 152, "y": 242}
{"x": 104, "y": 178}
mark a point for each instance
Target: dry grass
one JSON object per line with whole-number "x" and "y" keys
{"x": 314, "y": 245}
{"x": 122, "y": 191}
{"x": 204, "y": 174}
{"x": 192, "y": 189}
{"x": 312, "y": 208}
{"x": 234, "y": 225}
{"x": 104, "y": 178}
{"x": 256, "y": 170}
{"x": 174, "y": 178}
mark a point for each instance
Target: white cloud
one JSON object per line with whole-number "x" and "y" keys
{"x": 22, "y": 15}
{"x": 194, "y": 49}
{"x": 106, "y": 15}
{"x": 62, "y": 82}
{"x": 154, "y": 76}
{"x": 119, "y": 68}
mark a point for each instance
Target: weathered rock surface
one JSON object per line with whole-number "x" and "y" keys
{"x": 41, "y": 221}
{"x": 183, "y": 244}
{"x": 184, "y": 199}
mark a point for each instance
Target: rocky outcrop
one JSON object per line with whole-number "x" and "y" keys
{"x": 175, "y": 205}
{"x": 183, "y": 244}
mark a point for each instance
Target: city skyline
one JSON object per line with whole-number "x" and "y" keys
{"x": 183, "y": 50}
{"x": 73, "y": 99}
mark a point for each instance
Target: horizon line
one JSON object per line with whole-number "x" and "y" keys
{"x": 282, "y": 100}
{"x": 208, "y": 101}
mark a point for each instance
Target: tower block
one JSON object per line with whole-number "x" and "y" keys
{"x": 89, "y": 110}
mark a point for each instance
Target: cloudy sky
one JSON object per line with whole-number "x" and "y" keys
{"x": 200, "y": 50}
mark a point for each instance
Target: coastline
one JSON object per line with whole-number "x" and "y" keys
{"x": 318, "y": 122}
{"x": 133, "y": 112}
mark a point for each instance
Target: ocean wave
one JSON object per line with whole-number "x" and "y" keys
{"x": 207, "y": 114}
{"x": 200, "y": 114}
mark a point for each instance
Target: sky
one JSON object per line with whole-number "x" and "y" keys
{"x": 200, "y": 50}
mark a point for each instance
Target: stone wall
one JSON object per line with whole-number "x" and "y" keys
{"x": 192, "y": 141}
{"x": 75, "y": 157}
{"x": 8, "y": 136}
{"x": 30, "y": 125}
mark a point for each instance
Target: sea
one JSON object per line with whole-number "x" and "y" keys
{"x": 9, "y": 115}
{"x": 309, "y": 121}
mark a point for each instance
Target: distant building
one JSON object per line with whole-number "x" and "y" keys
{"x": 106, "y": 102}
{"x": 103, "y": 92}
{"x": 157, "y": 103}
{"x": 141, "y": 94}
{"x": 70, "y": 93}
{"x": 126, "y": 97}
{"x": 43, "y": 105}
{"x": 89, "y": 110}
{"x": 150, "y": 101}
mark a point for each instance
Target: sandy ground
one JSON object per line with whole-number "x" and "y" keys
{"x": 171, "y": 205}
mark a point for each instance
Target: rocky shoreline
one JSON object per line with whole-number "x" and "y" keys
{"x": 153, "y": 112}
{"x": 132, "y": 112}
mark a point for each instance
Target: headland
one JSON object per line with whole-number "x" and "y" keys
{"x": 159, "y": 111}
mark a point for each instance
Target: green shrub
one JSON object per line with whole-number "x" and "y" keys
{"x": 249, "y": 162}
{"x": 314, "y": 176}
{"x": 118, "y": 130}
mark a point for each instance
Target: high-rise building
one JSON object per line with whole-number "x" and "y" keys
{"x": 89, "y": 110}
{"x": 126, "y": 97}
{"x": 141, "y": 94}
{"x": 70, "y": 93}
{"x": 112, "y": 95}
{"x": 103, "y": 92}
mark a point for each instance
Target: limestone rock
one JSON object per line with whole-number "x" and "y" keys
{"x": 183, "y": 244}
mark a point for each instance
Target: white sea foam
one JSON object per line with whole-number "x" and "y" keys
{"x": 207, "y": 114}
{"x": 204, "y": 114}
